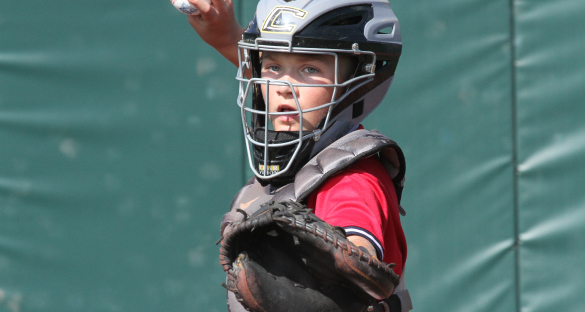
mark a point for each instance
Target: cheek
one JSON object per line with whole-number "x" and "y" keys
{"x": 319, "y": 96}
{"x": 271, "y": 97}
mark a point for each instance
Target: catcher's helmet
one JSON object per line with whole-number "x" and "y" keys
{"x": 366, "y": 30}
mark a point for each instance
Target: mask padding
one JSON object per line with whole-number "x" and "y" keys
{"x": 276, "y": 136}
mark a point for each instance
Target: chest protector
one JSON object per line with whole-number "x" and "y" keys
{"x": 335, "y": 158}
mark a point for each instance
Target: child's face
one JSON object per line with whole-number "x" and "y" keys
{"x": 298, "y": 68}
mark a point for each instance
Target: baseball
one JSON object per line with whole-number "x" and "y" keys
{"x": 186, "y": 7}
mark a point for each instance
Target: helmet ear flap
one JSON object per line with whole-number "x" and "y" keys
{"x": 257, "y": 97}
{"x": 258, "y": 104}
{"x": 256, "y": 63}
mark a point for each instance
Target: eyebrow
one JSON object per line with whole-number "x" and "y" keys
{"x": 311, "y": 57}
{"x": 301, "y": 57}
{"x": 266, "y": 56}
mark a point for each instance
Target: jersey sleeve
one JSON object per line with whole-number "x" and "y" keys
{"x": 362, "y": 200}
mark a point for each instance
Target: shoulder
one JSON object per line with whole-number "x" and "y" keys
{"x": 369, "y": 166}
{"x": 366, "y": 180}
{"x": 369, "y": 171}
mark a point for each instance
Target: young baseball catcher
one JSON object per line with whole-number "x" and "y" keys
{"x": 318, "y": 227}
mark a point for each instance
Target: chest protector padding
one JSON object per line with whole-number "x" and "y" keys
{"x": 335, "y": 158}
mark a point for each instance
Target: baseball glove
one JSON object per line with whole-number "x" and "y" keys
{"x": 284, "y": 258}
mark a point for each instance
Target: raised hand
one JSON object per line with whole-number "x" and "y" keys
{"x": 217, "y": 26}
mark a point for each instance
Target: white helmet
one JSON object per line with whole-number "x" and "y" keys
{"x": 366, "y": 30}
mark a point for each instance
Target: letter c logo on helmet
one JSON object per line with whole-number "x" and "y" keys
{"x": 276, "y": 22}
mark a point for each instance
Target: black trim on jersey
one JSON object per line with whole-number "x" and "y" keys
{"x": 354, "y": 230}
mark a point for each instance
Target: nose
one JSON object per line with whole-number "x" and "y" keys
{"x": 285, "y": 90}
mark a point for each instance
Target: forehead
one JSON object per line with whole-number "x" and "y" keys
{"x": 297, "y": 57}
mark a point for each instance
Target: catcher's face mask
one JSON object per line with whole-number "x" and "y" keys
{"x": 292, "y": 95}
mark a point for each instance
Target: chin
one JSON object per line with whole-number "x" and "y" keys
{"x": 287, "y": 128}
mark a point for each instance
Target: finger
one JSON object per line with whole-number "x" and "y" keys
{"x": 202, "y": 5}
{"x": 220, "y": 4}
{"x": 223, "y": 7}
{"x": 195, "y": 21}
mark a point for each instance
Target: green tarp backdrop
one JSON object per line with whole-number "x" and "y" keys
{"x": 121, "y": 148}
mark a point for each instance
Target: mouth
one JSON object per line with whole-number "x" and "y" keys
{"x": 286, "y": 119}
{"x": 283, "y": 108}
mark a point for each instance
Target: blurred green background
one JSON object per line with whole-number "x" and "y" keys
{"x": 121, "y": 148}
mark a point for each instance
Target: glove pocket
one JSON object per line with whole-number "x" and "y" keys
{"x": 262, "y": 291}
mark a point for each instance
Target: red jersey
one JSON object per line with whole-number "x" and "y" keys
{"x": 362, "y": 200}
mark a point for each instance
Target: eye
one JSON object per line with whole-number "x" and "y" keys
{"x": 310, "y": 70}
{"x": 273, "y": 68}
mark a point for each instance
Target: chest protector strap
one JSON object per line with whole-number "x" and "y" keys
{"x": 335, "y": 158}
